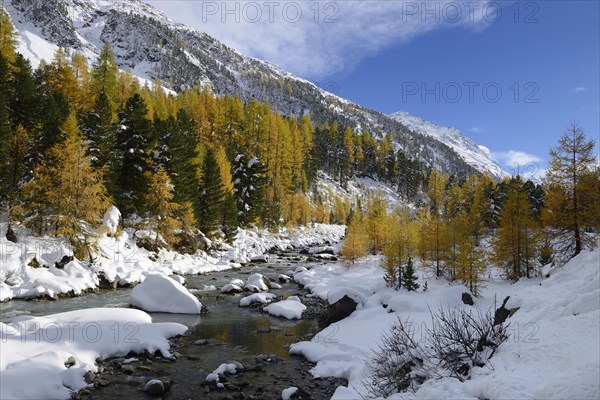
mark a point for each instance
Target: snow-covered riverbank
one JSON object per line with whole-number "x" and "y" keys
{"x": 29, "y": 270}
{"x": 48, "y": 357}
{"x": 552, "y": 351}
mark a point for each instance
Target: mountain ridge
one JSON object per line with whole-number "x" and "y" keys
{"x": 151, "y": 45}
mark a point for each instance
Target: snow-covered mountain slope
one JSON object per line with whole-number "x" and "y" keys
{"x": 150, "y": 45}
{"x": 475, "y": 155}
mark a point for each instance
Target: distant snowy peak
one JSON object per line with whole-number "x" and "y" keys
{"x": 475, "y": 155}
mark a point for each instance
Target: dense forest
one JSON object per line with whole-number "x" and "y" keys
{"x": 76, "y": 139}
{"x": 463, "y": 228}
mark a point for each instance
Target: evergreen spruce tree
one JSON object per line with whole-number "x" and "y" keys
{"x": 402, "y": 243}
{"x": 100, "y": 128}
{"x": 184, "y": 159}
{"x": 410, "y": 277}
{"x": 54, "y": 111}
{"x": 24, "y": 100}
{"x": 13, "y": 161}
{"x": 230, "y": 221}
{"x": 209, "y": 210}
{"x": 134, "y": 139}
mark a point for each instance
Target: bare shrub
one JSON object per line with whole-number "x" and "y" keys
{"x": 459, "y": 340}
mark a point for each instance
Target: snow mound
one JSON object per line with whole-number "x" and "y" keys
{"x": 289, "y": 309}
{"x": 262, "y": 298}
{"x": 38, "y": 347}
{"x": 111, "y": 219}
{"x": 159, "y": 293}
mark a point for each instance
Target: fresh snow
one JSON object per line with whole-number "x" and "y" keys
{"x": 120, "y": 259}
{"x": 286, "y": 394}
{"x": 477, "y": 156}
{"x": 111, "y": 219}
{"x": 225, "y": 368}
{"x": 159, "y": 293}
{"x": 261, "y": 298}
{"x": 33, "y": 350}
{"x": 290, "y": 309}
{"x": 257, "y": 281}
{"x": 552, "y": 351}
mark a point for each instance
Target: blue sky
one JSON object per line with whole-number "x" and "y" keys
{"x": 542, "y": 56}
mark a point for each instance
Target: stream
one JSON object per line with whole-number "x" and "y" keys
{"x": 226, "y": 333}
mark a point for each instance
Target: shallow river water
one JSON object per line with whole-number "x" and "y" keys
{"x": 232, "y": 333}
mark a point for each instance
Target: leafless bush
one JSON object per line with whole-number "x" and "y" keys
{"x": 459, "y": 340}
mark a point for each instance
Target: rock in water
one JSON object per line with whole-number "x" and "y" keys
{"x": 154, "y": 387}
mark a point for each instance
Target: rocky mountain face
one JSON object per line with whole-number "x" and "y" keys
{"x": 150, "y": 45}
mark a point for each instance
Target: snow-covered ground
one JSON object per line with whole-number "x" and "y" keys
{"x": 47, "y": 357}
{"x": 120, "y": 259}
{"x": 552, "y": 351}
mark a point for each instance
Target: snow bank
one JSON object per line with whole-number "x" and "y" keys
{"x": 253, "y": 244}
{"x": 159, "y": 293}
{"x": 552, "y": 352}
{"x": 261, "y": 298}
{"x": 289, "y": 309}
{"x": 332, "y": 281}
{"x": 33, "y": 350}
{"x": 120, "y": 259}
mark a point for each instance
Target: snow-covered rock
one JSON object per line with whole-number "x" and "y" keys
{"x": 111, "y": 219}
{"x": 289, "y": 309}
{"x": 258, "y": 281}
{"x": 223, "y": 369}
{"x": 159, "y": 293}
{"x": 261, "y": 298}
{"x": 33, "y": 350}
{"x": 230, "y": 288}
{"x": 286, "y": 394}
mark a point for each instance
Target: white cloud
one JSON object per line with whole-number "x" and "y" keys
{"x": 515, "y": 162}
{"x": 316, "y": 46}
{"x": 476, "y": 129}
{"x": 579, "y": 89}
{"x": 515, "y": 158}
